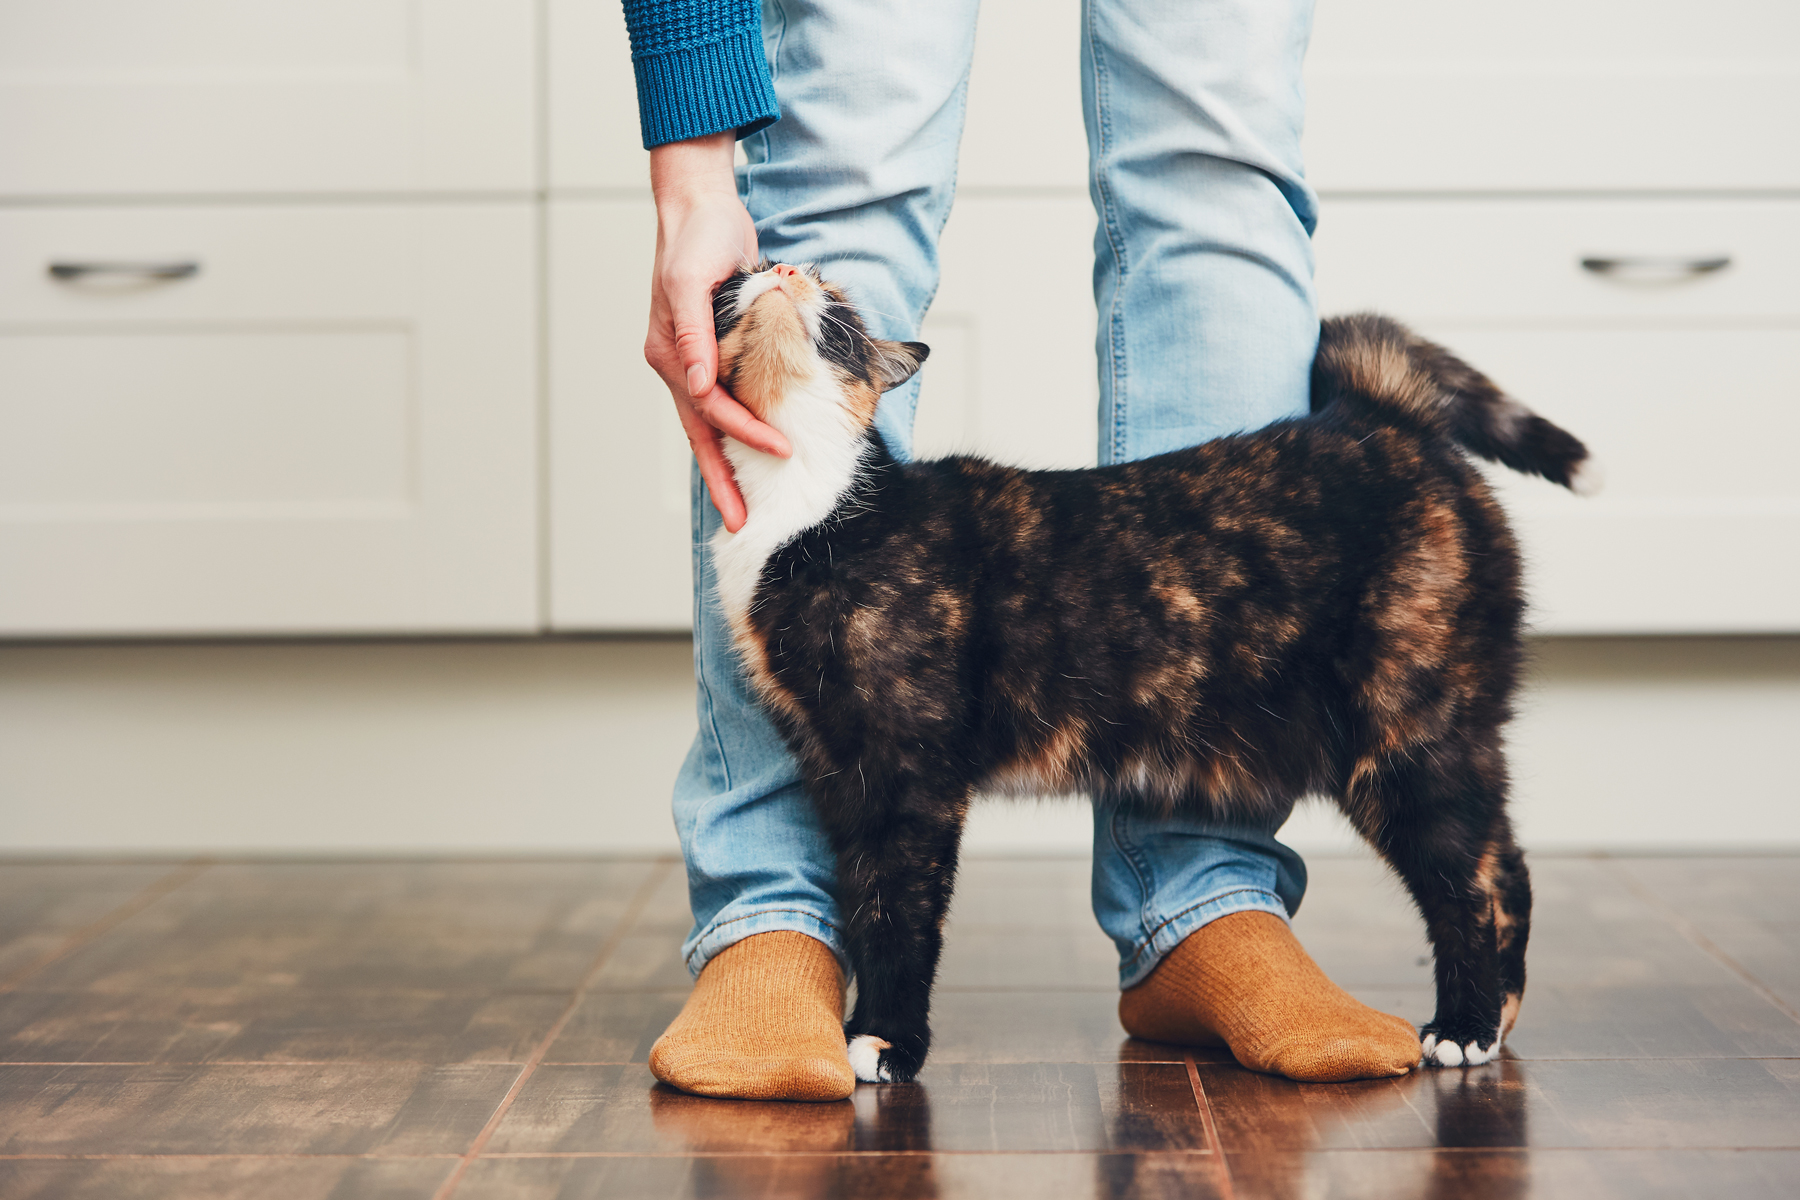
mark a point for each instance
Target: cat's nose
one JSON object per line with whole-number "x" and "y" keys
{"x": 783, "y": 271}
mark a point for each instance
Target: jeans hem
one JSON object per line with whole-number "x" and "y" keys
{"x": 1172, "y": 931}
{"x": 732, "y": 930}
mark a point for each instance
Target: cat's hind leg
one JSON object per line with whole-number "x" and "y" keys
{"x": 1437, "y": 815}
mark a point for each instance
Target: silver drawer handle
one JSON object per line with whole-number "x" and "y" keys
{"x": 1652, "y": 265}
{"x": 136, "y": 270}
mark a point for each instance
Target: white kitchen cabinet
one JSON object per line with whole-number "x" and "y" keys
{"x": 320, "y": 419}
{"x": 619, "y": 470}
{"x": 1677, "y": 371}
{"x": 228, "y": 97}
{"x": 591, "y": 118}
{"x": 1553, "y": 95}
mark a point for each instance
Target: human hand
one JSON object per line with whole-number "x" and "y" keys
{"x": 703, "y": 234}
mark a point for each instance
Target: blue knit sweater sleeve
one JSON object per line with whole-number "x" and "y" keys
{"x": 700, "y": 68}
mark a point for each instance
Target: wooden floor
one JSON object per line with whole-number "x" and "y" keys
{"x": 416, "y": 1029}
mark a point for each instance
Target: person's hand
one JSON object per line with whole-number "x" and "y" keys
{"x": 703, "y": 234}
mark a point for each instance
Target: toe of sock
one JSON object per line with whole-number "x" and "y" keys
{"x": 798, "y": 1077}
{"x": 1340, "y": 1059}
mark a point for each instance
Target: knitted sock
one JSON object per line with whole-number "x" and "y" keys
{"x": 1245, "y": 981}
{"x": 765, "y": 1021}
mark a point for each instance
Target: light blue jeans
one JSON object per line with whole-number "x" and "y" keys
{"x": 1203, "y": 277}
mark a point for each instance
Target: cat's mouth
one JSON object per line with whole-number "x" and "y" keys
{"x": 770, "y": 344}
{"x": 782, "y": 283}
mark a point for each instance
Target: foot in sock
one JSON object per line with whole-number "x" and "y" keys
{"x": 765, "y": 1021}
{"x": 1245, "y": 981}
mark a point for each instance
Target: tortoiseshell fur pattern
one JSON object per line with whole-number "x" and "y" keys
{"x": 1330, "y": 606}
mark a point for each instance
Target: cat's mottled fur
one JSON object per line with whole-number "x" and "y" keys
{"x": 1327, "y": 606}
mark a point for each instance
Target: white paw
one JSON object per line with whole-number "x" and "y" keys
{"x": 1444, "y": 1054}
{"x": 865, "y": 1058}
{"x": 1450, "y": 1054}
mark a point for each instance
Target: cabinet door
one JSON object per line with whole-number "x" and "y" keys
{"x": 619, "y": 464}
{"x": 314, "y": 419}
{"x": 1681, "y": 382}
{"x": 190, "y": 97}
{"x": 1406, "y": 95}
{"x": 591, "y": 126}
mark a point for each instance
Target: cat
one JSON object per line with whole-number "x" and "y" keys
{"x": 1329, "y": 606}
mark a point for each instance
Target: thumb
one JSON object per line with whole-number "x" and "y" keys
{"x": 695, "y": 346}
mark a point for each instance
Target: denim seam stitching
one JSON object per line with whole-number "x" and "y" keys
{"x": 1115, "y": 237}
{"x": 1238, "y": 891}
{"x": 1128, "y": 850}
{"x": 702, "y": 641}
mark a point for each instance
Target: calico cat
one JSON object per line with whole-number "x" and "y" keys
{"x": 1330, "y": 606}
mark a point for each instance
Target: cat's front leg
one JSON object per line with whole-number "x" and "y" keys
{"x": 896, "y": 872}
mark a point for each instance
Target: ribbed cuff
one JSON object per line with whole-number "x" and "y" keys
{"x": 705, "y": 89}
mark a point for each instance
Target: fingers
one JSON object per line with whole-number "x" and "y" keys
{"x": 715, "y": 468}
{"x": 720, "y": 485}
{"x": 726, "y": 415}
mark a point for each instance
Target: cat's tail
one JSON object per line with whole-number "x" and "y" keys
{"x": 1380, "y": 366}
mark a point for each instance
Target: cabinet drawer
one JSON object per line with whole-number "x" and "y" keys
{"x": 1554, "y": 95}
{"x": 1510, "y": 260}
{"x": 1683, "y": 386}
{"x": 117, "y": 97}
{"x": 329, "y": 425}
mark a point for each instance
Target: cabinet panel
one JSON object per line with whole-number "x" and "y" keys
{"x": 1683, "y": 386}
{"x": 619, "y": 465}
{"x": 329, "y": 426}
{"x": 1548, "y": 95}
{"x": 119, "y": 97}
{"x": 592, "y": 132}
{"x": 1698, "y": 528}
{"x": 1012, "y": 372}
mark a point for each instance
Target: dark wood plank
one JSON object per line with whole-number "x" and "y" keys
{"x": 250, "y": 1024}
{"x": 646, "y": 962}
{"x": 1588, "y": 930}
{"x": 847, "y": 1177}
{"x": 1019, "y": 1026}
{"x": 1748, "y": 907}
{"x": 969, "y": 1026}
{"x": 364, "y": 926}
{"x": 43, "y": 904}
{"x": 1658, "y": 1103}
{"x": 342, "y": 1108}
{"x": 1036, "y": 959}
{"x": 997, "y": 1107}
{"x": 1516, "y": 1174}
{"x": 1665, "y": 1020}
{"x": 224, "y": 1179}
{"x": 615, "y": 1027}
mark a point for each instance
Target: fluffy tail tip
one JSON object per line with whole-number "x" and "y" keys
{"x": 1587, "y": 477}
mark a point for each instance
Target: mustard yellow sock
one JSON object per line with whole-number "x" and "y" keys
{"x": 1245, "y": 981}
{"x": 765, "y": 1021}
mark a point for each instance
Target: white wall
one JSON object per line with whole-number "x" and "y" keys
{"x": 570, "y": 746}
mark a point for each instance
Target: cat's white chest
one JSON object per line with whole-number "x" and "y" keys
{"x": 785, "y": 496}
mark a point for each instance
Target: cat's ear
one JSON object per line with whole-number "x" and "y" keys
{"x": 896, "y": 362}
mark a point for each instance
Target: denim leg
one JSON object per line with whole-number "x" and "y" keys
{"x": 858, "y": 177}
{"x": 1208, "y": 323}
